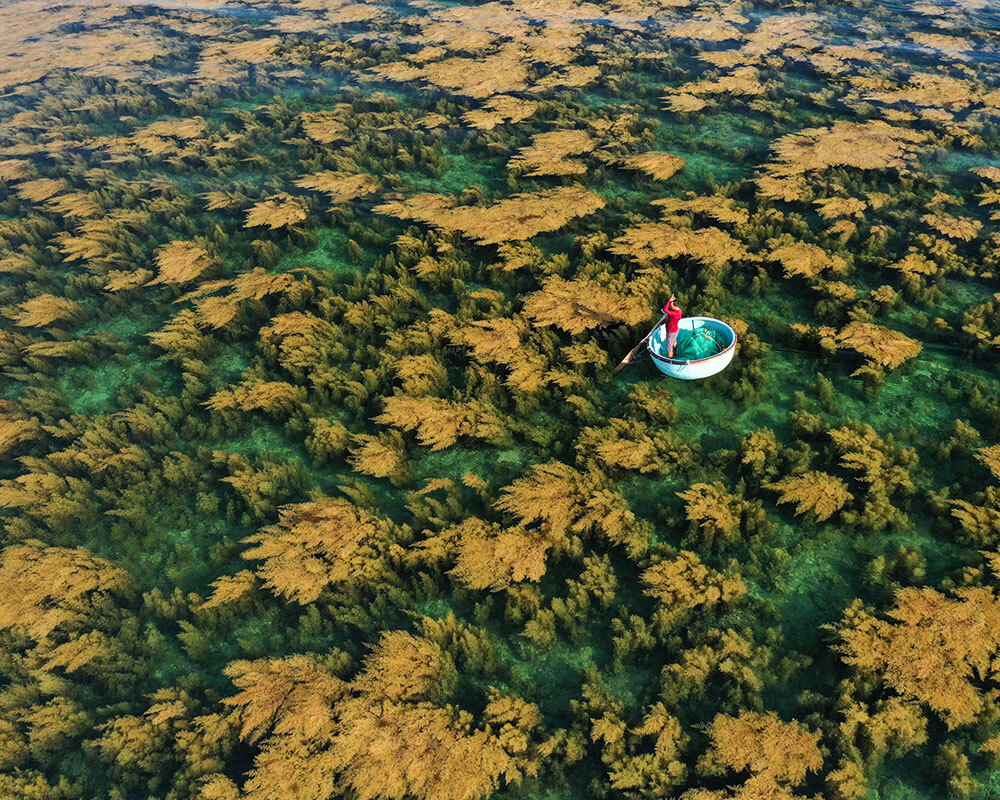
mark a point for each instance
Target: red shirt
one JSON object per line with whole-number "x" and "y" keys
{"x": 673, "y": 317}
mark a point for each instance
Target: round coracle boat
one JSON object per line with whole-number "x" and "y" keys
{"x": 697, "y": 335}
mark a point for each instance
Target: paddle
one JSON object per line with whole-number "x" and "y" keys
{"x": 634, "y": 351}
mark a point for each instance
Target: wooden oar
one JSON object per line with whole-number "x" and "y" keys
{"x": 632, "y": 353}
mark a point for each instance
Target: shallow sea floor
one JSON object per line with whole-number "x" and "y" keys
{"x": 316, "y": 480}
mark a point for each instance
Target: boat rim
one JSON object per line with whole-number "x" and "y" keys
{"x": 684, "y": 362}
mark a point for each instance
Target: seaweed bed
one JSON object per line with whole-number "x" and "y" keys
{"x": 315, "y": 478}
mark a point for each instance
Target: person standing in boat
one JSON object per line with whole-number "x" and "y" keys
{"x": 674, "y": 314}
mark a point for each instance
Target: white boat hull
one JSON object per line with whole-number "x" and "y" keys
{"x": 701, "y": 368}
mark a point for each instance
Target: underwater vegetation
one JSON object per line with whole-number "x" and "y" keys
{"x": 316, "y": 480}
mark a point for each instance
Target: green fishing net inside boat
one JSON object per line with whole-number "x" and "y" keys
{"x": 699, "y": 343}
